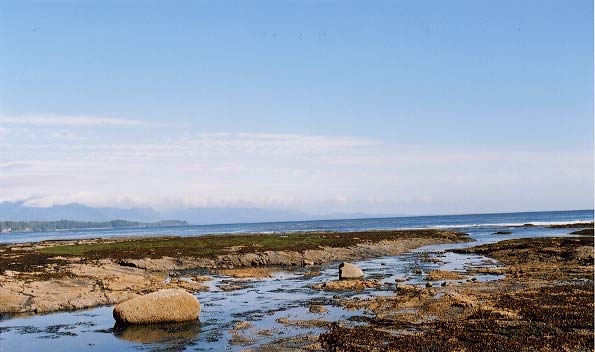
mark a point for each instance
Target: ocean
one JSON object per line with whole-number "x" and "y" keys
{"x": 408, "y": 222}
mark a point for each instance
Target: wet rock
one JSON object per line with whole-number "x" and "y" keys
{"x": 487, "y": 271}
{"x": 583, "y": 232}
{"x": 243, "y": 325}
{"x": 315, "y": 308}
{"x": 307, "y": 262}
{"x": 407, "y": 289}
{"x": 418, "y": 271}
{"x": 583, "y": 253}
{"x": 345, "y": 285}
{"x": 436, "y": 275}
{"x": 429, "y": 284}
{"x": 164, "y": 306}
{"x": 400, "y": 279}
{"x": 200, "y": 278}
{"x": 237, "y": 339}
{"x": 231, "y": 287}
{"x": 246, "y": 273}
{"x": 265, "y": 332}
{"x": 303, "y": 323}
{"x": 349, "y": 271}
{"x": 502, "y": 233}
{"x": 188, "y": 285}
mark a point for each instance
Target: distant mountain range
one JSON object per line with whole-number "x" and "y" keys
{"x": 19, "y": 211}
{"x": 34, "y": 226}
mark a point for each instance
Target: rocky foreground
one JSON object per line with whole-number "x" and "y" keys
{"x": 67, "y": 275}
{"x": 544, "y": 303}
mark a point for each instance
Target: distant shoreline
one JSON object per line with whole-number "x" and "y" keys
{"x": 7, "y": 227}
{"x": 183, "y": 229}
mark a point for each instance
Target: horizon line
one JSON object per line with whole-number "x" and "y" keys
{"x": 308, "y": 220}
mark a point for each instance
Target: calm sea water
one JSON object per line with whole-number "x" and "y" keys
{"x": 446, "y": 221}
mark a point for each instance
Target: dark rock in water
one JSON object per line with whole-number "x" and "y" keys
{"x": 583, "y": 232}
{"x": 349, "y": 271}
{"x": 164, "y": 306}
{"x": 579, "y": 225}
{"x": 502, "y": 233}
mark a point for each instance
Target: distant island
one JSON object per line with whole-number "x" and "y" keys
{"x": 35, "y": 226}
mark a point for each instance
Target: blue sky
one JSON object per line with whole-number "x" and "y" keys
{"x": 387, "y": 107}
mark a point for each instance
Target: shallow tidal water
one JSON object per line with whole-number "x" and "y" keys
{"x": 287, "y": 295}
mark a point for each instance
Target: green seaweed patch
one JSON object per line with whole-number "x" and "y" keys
{"x": 208, "y": 246}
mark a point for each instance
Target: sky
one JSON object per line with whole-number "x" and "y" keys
{"x": 396, "y": 107}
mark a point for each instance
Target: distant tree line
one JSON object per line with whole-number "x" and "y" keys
{"x": 20, "y": 226}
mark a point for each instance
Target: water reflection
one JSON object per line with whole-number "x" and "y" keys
{"x": 174, "y": 333}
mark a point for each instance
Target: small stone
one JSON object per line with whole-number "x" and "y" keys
{"x": 315, "y": 308}
{"x": 429, "y": 284}
{"x": 349, "y": 271}
{"x": 243, "y": 325}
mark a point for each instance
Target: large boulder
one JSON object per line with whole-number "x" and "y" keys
{"x": 164, "y": 306}
{"x": 349, "y": 271}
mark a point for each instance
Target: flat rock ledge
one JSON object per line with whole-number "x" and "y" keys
{"x": 164, "y": 306}
{"x": 347, "y": 285}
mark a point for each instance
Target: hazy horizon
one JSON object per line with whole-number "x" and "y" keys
{"x": 19, "y": 211}
{"x": 317, "y": 108}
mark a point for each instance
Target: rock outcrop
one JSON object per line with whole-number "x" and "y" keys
{"x": 348, "y": 271}
{"x": 436, "y": 275}
{"x": 348, "y": 285}
{"x": 164, "y": 306}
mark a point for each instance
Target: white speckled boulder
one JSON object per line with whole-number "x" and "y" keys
{"x": 164, "y": 306}
{"x": 349, "y": 271}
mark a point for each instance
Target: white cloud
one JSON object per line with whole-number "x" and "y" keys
{"x": 56, "y": 120}
{"x": 13, "y": 165}
{"x": 323, "y": 174}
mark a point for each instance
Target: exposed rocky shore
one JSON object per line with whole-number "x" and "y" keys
{"x": 545, "y": 302}
{"x": 66, "y": 275}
